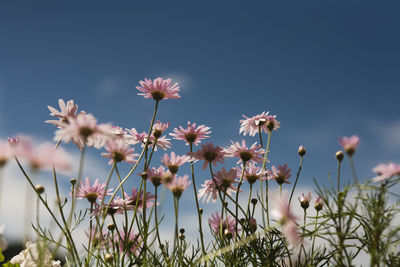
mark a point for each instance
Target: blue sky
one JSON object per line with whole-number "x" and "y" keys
{"x": 325, "y": 68}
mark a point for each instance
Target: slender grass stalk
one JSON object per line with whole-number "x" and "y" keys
{"x": 237, "y": 200}
{"x": 266, "y": 181}
{"x": 203, "y": 250}
{"x": 297, "y": 178}
{"x": 80, "y": 172}
{"x": 314, "y": 235}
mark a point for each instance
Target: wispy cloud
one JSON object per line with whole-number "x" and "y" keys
{"x": 108, "y": 86}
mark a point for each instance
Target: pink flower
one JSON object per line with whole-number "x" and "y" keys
{"x": 156, "y": 175}
{"x": 192, "y": 134}
{"x": 118, "y": 150}
{"x": 5, "y": 153}
{"x": 178, "y": 185}
{"x": 139, "y": 198}
{"x": 225, "y": 179}
{"x": 97, "y": 239}
{"x": 45, "y": 156}
{"x": 91, "y": 192}
{"x": 158, "y": 89}
{"x": 210, "y": 154}
{"x": 118, "y": 132}
{"x": 13, "y": 140}
{"x": 174, "y": 162}
{"x": 159, "y": 128}
{"x": 281, "y": 212}
{"x": 252, "y": 173}
{"x": 318, "y": 203}
{"x": 272, "y": 123}
{"x": 305, "y": 200}
{"x": 133, "y": 137}
{"x": 349, "y": 144}
{"x": 84, "y": 130}
{"x": 254, "y": 124}
{"x": 210, "y": 188}
{"x": 131, "y": 244}
{"x": 228, "y": 225}
{"x": 280, "y": 175}
{"x": 254, "y": 153}
{"x": 67, "y": 111}
{"x": 386, "y": 171}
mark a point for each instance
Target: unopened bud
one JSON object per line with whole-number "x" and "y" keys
{"x": 72, "y": 181}
{"x": 201, "y": 211}
{"x": 167, "y": 177}
{"x": 228, "y": 234}
{"x": 252, "y": 225}
{"x": 254, "y": 201}
{"x": 109, "y": 258}
{"x": 182, "y": 237}
{"x": 339, "y": 155}
{"x": 111, "y": 227}
{"x": 39, "y": 189}
{"x": 301, "y": 151}
{"x": 144, "y": 175}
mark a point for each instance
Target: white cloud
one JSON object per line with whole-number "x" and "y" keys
{"x": 108, "y": 86}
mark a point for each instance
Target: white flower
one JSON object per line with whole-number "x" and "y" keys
{"x": 35, "y": 254}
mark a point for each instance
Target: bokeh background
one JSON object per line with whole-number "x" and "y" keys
{"x": 325, "y": 68}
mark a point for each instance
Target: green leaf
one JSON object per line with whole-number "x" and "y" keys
{"x": 1, "y": 256}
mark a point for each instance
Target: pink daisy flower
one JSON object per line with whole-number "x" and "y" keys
{"x": 118, "y": 132}
{"x": 45, "y": 156}
{"x": 92, "y": 192}
{"x": 84, "y": 130}
{"x": 254, "y": 153}
{"x": 191, "y": 134}
{"x": 280, "y": 175}
{"x": 210, "y": 154}
{"x": 133, "y": 137}
{"x": 159, "y": 128}
{"x": 386, "y": 171}
{"x": 13, "y": 140}
{"x": 173, "y": 162}
{"x": 66, "y": 112}
{"x": 281, "y": 212}
{"x": 349, "y": 144}
{"x": 5, "y": 153}
{"x": 155, "y": 175}
{"x": 131, "y": 244}
{"x": 252, "y": 125}
{"x": 272, "y": 123}
{"x": 305, "y": 200}
{"x": 135, "y": 196}
{"x": 252, "y": 173}
{"x": 118, "y": 150}
{"x": 158, "y": 89}
{"x": 178, "y": 185}
{"x": 319, "y": 203}
{"x": 228, "y": 224}
{"x": 210, "y": 189}
{"x": 225, "y": 179}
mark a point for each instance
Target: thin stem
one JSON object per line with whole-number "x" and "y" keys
{"x": 90, "y": 235}
{"x": 237, "y": 199}
{"x": 249, "y": 200}
{"x": 80, "y": 172}
{"x": 266, "y": 181}
{"x": 353, "y": 170}
{"x": 339, "y": 229}
{"x": 314, "y": 235}
{"x": 297, "y": 178}
{"x": 203, "y": 250}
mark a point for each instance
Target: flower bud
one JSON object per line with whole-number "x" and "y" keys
{"x": 254, "y": 201}
{"x": 72, "y": 181}
{"x": 182, "y": 230}
{"x": 109, "y": 258}
{"x": 227, "y": 234}
{"x": 339, "y": 155}
{"x": 39, "y": 189}
{"x": 302, "y": 151}
{"x": 111, "y": 227}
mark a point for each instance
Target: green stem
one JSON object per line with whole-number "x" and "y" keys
{"x": 297, "y": 178}
{"x": 237, "y": 200}
{"x": 80, "y": 172}
{"x": 266, "y": 181}
{"x": 203, "y": 250}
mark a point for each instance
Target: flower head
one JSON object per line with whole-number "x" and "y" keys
{"x": 155, "y": 175}
{"x": 254, "y": 124}
{"x": 349, "y": 144}
{"x": 159, "y": 128}
{"x": 118, "y": 150}
{"x": 305, "y": 200}
{"x": 191, "y": 134}
{"x": 272, "y": 123}
{"x": 225, "y": 179}
{"x": 286, "y": 218}
{"x": 280, "y": 175}
{"x": 318, "y": 203}
{"x": 210, "y": 188}
{"x": 210, "y": 154}
{"x": 174, "y": 162}
{"x": 133, "y": 137}
{"x": 35, "y": 254}
{"x": 44, "y": 156}
{"x": 131, "y": 244}
{"x": 84, "y": 130}
{"x": 228, "y": 225}
{"x": 178, "y": 185}
{"x": 241, "y": 151}
{"x": 252, "y": 173}
{"x": 67, "y": 111}
{"x": 138, "y": 199}
{"x": 158, "y": 89}
{"x": 386, "y": 171}
{"x": 91, "y": 192}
